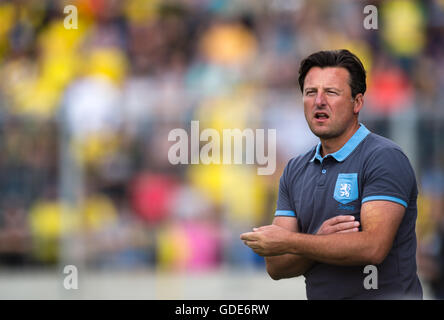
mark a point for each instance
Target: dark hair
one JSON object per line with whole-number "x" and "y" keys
{"x": 336, "y": 58}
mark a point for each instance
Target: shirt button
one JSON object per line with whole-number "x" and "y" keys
{"x": 324, "y": 171}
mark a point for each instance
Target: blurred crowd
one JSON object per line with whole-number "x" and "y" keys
{"x": 85, "y": 114}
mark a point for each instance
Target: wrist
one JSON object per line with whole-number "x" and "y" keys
{"x": 294, "y": 243}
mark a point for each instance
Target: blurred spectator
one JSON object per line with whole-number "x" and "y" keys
{"x": 15, "y": 238}
{"x": 404, "y": 23}
{"x": 49, "y": 221}
{"x": 431, "y": 248}
{"x": 151, "y": 196}
{"x": 389, "y": 89}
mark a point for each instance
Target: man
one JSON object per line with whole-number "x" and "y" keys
{"x": 348, "y": 203}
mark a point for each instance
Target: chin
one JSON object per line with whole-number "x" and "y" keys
{"x": 320, "y": 131}
{"x": 323, "y": 133}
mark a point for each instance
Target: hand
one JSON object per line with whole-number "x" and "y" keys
{"x": 269, "y": 240}
{"x": 339, "y": 224}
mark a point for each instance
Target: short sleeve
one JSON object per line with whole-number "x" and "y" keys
{"x": 284, "y": 204}
{"x": 389, "y": 176}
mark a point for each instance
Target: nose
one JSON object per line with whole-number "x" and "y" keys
{"x": 320, "y": 100}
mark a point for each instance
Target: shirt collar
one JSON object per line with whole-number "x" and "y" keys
{"x": 348, "y": 148}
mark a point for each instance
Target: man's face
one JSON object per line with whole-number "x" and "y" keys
{"x": 328, "y": 104}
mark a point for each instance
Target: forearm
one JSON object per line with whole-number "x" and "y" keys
{"x": 287, "y": 266}
{"x": 345, "y": 246}
{"x": 339, "y": 249}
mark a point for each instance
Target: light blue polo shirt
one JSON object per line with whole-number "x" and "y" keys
{"x": 368, "y": 167}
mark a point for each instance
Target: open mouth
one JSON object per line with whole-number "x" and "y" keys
{"x": 321, "y": 115}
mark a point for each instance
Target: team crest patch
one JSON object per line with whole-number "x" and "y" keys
{"x": 346, "y": 189}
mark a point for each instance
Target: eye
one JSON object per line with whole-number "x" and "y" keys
{"x": 331, "y": 92}
{"x": 310, "y": 92}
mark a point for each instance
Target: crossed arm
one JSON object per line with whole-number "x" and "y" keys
{"x": 289, "y": 253}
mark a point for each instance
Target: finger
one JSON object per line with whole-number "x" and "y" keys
{"x": 261, "y": 252}
{"x": 340, "y": 219}
{"x": 346, "y": 225}
{"x": 249, "y": 236}
{"x": 258, "y": 251}
{"x": 265, "y": 253}
{"x": 252, "y": 244}
{"x": 336, "y": 220}
{"x": 349, "y": 230}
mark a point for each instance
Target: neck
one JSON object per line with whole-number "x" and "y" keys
{"x": 332, "y": 145}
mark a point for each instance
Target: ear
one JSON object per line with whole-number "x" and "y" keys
{"x": 358, "y": 103}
